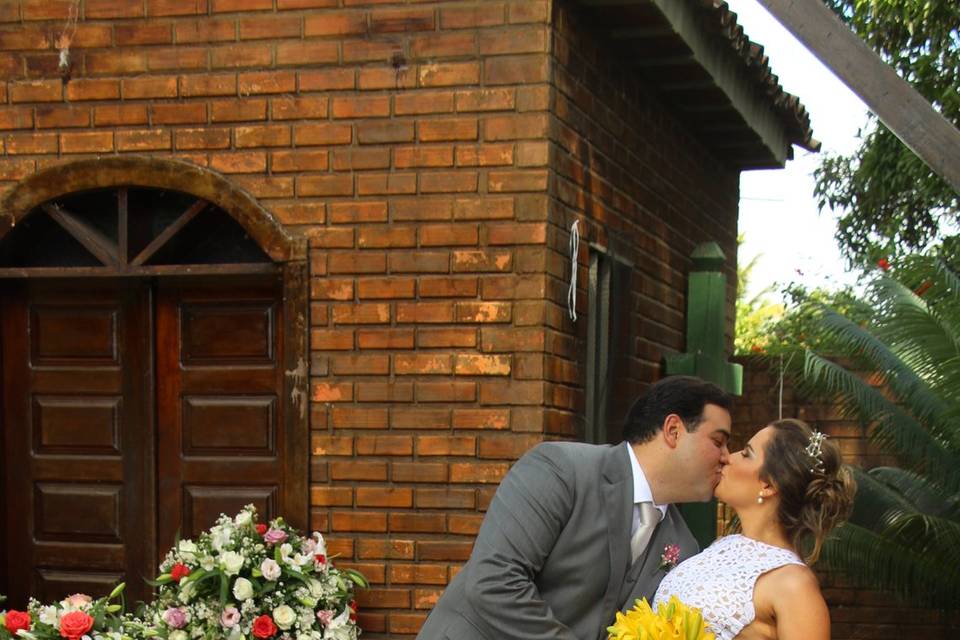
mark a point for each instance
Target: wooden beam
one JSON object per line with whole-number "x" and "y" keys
{"x": 169, "y": 232}
{"x": 105, "y": 249}
{"x": 898, "y": 105}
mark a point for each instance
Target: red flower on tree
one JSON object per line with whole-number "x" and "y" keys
{"x": 17, "y": 620}
{"x": 884, "y": 264}
{"x": 179, "y": 571}
{"x": 263, "y": 626}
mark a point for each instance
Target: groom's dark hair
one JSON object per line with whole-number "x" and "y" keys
{"x": 685, "y": 396}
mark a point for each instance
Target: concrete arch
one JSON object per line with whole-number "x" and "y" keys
{"x": 161, "y": 173}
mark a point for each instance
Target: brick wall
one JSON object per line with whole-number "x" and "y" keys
{"x": 856, "y": 614}
{"x": 435, "y": 155}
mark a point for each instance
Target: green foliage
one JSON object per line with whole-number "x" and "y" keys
{"x": 756, "y": 315}
{"x": 904, "y": 534}
{"x": 892, "y": 203}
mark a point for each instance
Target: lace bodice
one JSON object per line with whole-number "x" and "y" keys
{"x": 720, "y": 581}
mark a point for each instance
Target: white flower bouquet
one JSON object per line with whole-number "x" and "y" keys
{"x": 247, "y": 580}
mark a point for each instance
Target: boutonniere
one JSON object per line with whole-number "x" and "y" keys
{"x": 670, "y": 557}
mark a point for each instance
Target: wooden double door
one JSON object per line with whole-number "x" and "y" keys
{"x": 131, "y": 410}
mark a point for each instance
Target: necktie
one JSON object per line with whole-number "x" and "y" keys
{"x": 649, "y": 517}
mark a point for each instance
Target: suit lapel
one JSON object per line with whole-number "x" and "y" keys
{"x": 645, "y": 575}
{"x": 618, "y": 501}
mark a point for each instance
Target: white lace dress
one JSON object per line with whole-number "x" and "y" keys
{"x": 719, "y": 581}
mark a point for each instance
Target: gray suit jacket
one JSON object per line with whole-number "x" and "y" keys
{"x": 552, "y": 559}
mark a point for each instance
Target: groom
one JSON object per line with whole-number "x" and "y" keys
{"x": 577, "y": 532}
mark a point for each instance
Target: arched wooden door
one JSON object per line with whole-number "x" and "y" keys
{"x": 144, "y": 386}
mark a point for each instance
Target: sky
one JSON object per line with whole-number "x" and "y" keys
{"x": 779, "y": 216}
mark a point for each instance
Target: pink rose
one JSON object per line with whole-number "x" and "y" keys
{"x": 274, "y": 536}
{"x": 324, "y": 616}
{"x": 77, "y": 600}
{"x": 230, "y": 617}
{"x": 175, "y": 617}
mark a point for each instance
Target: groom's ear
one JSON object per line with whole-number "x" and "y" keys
{"x": 671, "y": 431}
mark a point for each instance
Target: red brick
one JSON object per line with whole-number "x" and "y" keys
{"x": 384, "y": 598}
{"x": 385, "y": 497}
{"x": 335, "y": 24}
{"x": 518, "y": 40}
{"x": 361, "y": 314}
{"x": 269, "y": 27}
{"x": 359, "y": 159}
{"x": 423, "y": 364}
{"x": 152, "y": 87}
{"x": 24, "y": 38}
{"x": 417, "y": 523}
{"x": 254, "y": 83}
{"x": 385, "y": 338}
{"x": 299, "y": 108}
{"x": 242, "y": 110}
{"x": 419, "y": 472}
{"x": 37, "y": 10}
{"x": 300, "y": 53}
{"x": 445, "y": 287}
{"x": 16, "y": 118}
{"x": 373, "y": 78}
{"x": 322, "y": 134}
{"x": 62, "y": 117}
{"x": 331, "y": 289}
{"x": 423, "y": 102}
{"x": 361, "y": 107}
{"x": 498, "y": 419}
{"x": 485, "y": 155}
{"x": 517, "y": 127}
{"x": 449, "y": 74}
{"x": 176, "y": 7}
{"x": 250, "y": 162}
{"x": 360, "y": 365}
{"x": 366, "y": 262}
{"x": 325, "y": 185}
{"x": 445, "y": 499}
{"x": 16, "y": 169}
{"x": 359, "y": 521}
{"x": 385, "y": 288}
{"x": 355, "y": 418}
{"x": 332, "y": 392}
{"x": 372, "y": 184}
{"x": 266, "y": 186}
{"x": 446, "y": 391}
{"x": 448, "y": 235}
{"x": 525, "y": 69}
{"x": 400, "y": 20}
{"x": 122, "y": 62}
{"x": 205, "y": 30}
{"x": 386, "y": 237}
{"x": 451, "y": 338}
{"x": 523, "y": 233}
{"x": 447, "y": 130}
{"x": 385, "y": 392}
{"x": 477, "y": 365}
{"x": 331, "y": 496}
{"x": 86, "y": 142}
{"x": 448, "y": 182}
{"x": 483, "y": 312}
{"x": 326, "y": 79}
{"x": 384, "y": 132}
{"x": 139, "y": 34}
{"x": 176, "y": 58}
{"x": 120, "y": 114}
{"x": 331, "y": 340}
{"x": 332, "y": 238}
{"x": 181, "y": 113}
{"x": 297, "y": 161}
{"x": 422, "y": 209}
{"x": 489, "y": 260}
{"x": 485, "y": 100}
{"x": 241, "y": 55}
{"x": 478, "y": 472}
{"x": 517, "y": 181}
{"x": 418, "y": 156}
{"x": 224, "y": 6}
{"x": 30, "y": 143}
{"x": 36, "y": 91}
{"x": 444, "y": 45}
{"x": 392, "y": 549}
{"x": 208, "y": 85}
{"x": 384, "y": 446}
{"x": 306, "y": 4}
{"x": 202, "y": 138}
{"x": 417, "y": 574}
{"x": 420, "y": 262}
{"x": 143, "y": 140}
{"x": 263, "y": 136}
{"x": 382, "y": 51}
{"x": 84, "y": 89}
{"x": 113, "y": 9}
{"x": 530, "y": 11}
{"x": 487, "y": 14}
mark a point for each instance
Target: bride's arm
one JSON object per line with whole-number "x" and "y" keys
{"x": 799, "y": 608}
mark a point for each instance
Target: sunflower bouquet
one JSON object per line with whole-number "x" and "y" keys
{"x": 671, "y": 620}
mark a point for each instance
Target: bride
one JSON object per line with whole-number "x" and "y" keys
{"x": 789, "y": 490}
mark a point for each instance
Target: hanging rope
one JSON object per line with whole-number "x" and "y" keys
{"x": 574, "y": 252}
{"x": 783, "y": 368}
{"x": 66, "y": 38}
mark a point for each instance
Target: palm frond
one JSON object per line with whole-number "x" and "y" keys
{"x": 913, "y": 489}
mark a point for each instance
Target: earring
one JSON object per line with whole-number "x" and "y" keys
{"x": 760, "y": 498}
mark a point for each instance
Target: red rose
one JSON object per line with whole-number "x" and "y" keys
{"x": 75, "y": 624}
{"x": 261, "y": 528}
{"x": 179, "y": 571}
{"x": 17, "y": 620}
{"x": 263, "y": 626}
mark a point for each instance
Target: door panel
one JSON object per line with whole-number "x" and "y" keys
{"x": 219, "y": 369}
{"x": 78, "y": 438}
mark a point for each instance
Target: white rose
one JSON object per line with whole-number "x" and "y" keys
{"x": 179, "y": 634}
{"x": 284, "y": 616}
{"x": 316, "y": 588}
{"x": 243, "y": 519}
{"x": 242, "y": 589}
{"x": 187, "y": 549}
{"x": 50, "y": 616}
{"x": 207, "y": 563}
{"x": 232, "y": 562}
{"x": 270, "y": 569}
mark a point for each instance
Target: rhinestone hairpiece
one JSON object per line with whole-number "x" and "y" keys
{"x": 815, "y": 450}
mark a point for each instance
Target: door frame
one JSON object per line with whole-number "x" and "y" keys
{"x": 288, "y": 253}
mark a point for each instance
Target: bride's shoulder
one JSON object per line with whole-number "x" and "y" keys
{"x": 789, "y": 581}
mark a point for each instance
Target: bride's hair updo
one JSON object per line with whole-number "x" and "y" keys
{"x": 816, "y": 491}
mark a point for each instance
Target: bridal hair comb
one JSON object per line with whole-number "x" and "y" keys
{"x": 815, "y": 450}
